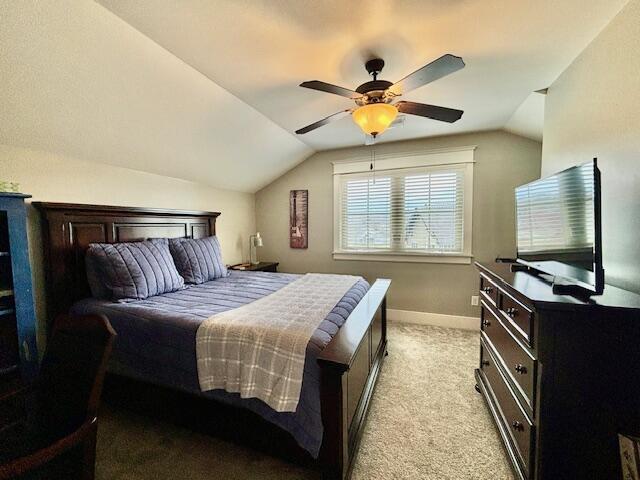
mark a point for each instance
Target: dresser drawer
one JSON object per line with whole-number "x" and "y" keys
{"x": 517, "y": 424}
{"x": 518, "y": 315}
{"x": 515, "y": 359}
{"x": 488, "y": 290}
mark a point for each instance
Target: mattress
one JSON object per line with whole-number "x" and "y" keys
{"x": 156, "y": 342}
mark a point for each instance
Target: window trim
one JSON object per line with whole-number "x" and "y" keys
{"x": 460, "y": 156}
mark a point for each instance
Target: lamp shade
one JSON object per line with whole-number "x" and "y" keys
{"x": 258, "y": 240}
{"x": 375, "y": 118}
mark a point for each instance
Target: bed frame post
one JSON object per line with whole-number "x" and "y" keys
{"x": 334, "y": 447}
{"x": 350, "y": 366}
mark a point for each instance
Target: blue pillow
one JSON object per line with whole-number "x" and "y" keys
{"x": 198, "y": 260}
{"x": 135, "y": 270}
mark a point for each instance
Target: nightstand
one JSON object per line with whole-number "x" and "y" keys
{"x": 260, "y": 267}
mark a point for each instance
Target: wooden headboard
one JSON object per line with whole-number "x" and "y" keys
{"x": 68, "y": 229}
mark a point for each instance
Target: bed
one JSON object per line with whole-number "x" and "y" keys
{"x": 343, "y": 358}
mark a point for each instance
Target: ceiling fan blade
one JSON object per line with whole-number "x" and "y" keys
{"x": 431, "y": 72}
{"x": 434, "y": 112}
{"x": 329, "y": 88}
{"x": 324, "y": 121}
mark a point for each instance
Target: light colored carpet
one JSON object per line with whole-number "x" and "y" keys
{"x": 426, "y": 422}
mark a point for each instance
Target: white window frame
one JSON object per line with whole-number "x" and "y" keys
{"x": 459, "y": 156}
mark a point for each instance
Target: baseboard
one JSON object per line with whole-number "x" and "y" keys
{"x": 435, "y": 319}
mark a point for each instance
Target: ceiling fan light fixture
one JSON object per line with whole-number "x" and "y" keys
{"x": 375, "y": 113}
{"x": 374, "y": 118}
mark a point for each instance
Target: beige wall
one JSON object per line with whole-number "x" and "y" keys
{"x": 593, "y": 110}
{"x": 54, "y": 178}
{"x": 503, "y": 161}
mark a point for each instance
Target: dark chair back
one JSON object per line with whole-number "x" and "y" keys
{"x": 72, "y": 372}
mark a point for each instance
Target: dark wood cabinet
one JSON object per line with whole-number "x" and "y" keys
{"x": 18, "y": 354}
{"x": 559, "y": 374}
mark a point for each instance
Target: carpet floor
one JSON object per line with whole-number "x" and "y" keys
{"x": 426, "y": 422}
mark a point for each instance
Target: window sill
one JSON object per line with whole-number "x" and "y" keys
{"x": 403, "y": 257}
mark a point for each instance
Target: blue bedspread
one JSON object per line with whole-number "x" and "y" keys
{"x": 156, "y": 342}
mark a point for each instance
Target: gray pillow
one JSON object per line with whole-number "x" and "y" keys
{"x": 198, "y": 260}
{"x": 135, "y": 270}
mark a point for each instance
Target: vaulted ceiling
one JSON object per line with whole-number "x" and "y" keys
{"x": 207, "y": 90}
{"x": 260, "y": 50}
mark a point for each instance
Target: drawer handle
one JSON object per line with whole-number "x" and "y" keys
{"x": 517, "y": 426}
{"x": 512, "y": 311}
{"x": 485, "y": 363}
{"x": 521, "y": 369}
{"x": 486, "y": 323}
{"x": 487, "y": 290}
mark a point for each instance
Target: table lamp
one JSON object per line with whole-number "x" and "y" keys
{"x": 254, "y": 241}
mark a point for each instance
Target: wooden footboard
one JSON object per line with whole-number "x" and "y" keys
{"x": 350, "y": 365}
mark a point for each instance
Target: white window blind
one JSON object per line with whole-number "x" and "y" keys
{"x": 414, "y": 211}
{"x": 366, "y": 213}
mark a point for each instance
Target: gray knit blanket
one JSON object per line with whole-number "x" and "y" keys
{"x": 258, "y": 349}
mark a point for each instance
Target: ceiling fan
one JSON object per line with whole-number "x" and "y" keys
{"x": 375, "y": 110}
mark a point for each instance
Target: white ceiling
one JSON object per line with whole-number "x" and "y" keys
{"x": 78, "y": 81}
{"x": 207, "y": 90}
{"x": 260, "y": 50}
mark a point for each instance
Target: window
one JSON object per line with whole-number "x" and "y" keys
{"x": 411, "y": 213}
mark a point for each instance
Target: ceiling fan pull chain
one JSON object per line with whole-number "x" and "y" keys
{"x": 372, "y": 166}
{"x": 371, "y": 160}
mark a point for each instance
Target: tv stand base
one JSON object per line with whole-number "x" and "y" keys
{"x": 519, "y": 267}
{"x": 572, "y": 290}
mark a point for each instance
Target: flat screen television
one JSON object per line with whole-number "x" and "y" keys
{"x": 559, "y": 228}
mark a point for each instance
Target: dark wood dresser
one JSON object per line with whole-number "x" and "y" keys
{"x": 560, "y": 375}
